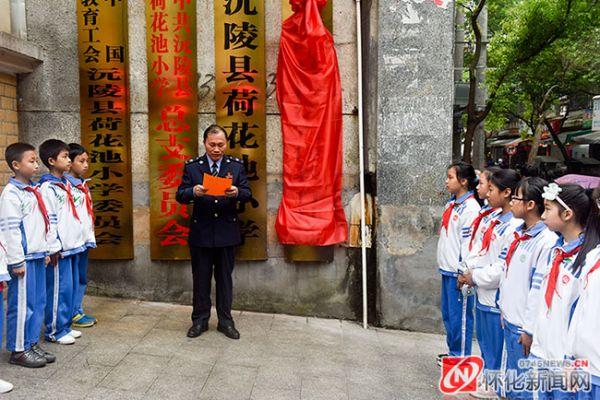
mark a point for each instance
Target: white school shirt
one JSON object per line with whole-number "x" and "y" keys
{"x": 87, "y": 223}
{"x": 583, "y": 338}
{"x": 487, "y": 266}
{"x": 477, "y": 237}
{"x": 66, "y": 232}
{"x": 453, "y": 243}
{"x": 22, "y": 224}
{"x": 520, "y": 282}
{"x": 4, "y": 276}
{"x": 551, "y": 325}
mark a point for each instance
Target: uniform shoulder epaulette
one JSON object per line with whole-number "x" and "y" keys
{"x": 232, "y": 158}
{"x": 191, "y": 160}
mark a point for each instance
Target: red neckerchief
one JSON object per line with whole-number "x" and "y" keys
{"x": 67, "y": 190}
{"x": 448, "y": 213}
{"x": 41, "y": 204}
{"x": 476, "y": 223}
{"x": 88, "y": 199}
{"x": 513, "y": 247}
{"x": 594, "y": 268}
{"x": 487, "y": 236}
{"x": 446, "y": 217}
{"x": 560, "y": 256}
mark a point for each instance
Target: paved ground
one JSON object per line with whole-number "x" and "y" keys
{"x": 139, "y": 351}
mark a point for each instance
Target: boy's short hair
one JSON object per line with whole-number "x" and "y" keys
{"x": 15, "y": 152}
{"x": 75, "y": 149}
{"x": 51, "y": 148}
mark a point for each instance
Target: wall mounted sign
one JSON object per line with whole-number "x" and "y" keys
{"x": 104, "y": 99}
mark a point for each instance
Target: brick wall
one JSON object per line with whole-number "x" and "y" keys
{"x": 9, "y": 132}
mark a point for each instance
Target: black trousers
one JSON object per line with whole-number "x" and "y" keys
{"x": 203, "y": 261}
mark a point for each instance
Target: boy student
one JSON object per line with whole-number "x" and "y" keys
{"x": 65, "y": 242}
{"x": 83, "y": 203}
{"x": 5, "y": 386}
{"x": 24, "y": 224}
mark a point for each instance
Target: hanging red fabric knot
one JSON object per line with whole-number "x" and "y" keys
{"x": 298, "y": 5}
{"x": 309, "y": 96}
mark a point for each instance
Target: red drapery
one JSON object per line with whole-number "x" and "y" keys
{"x": 310, "y": 102}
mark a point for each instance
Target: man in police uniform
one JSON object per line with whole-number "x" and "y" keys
{"x": 214, "y": 230}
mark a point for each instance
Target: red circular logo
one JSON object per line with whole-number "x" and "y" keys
{"x": 565, "y": 279}
{"x": 459, "y": 374}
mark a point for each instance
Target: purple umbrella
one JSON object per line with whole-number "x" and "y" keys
{"x": 588, "y": 182}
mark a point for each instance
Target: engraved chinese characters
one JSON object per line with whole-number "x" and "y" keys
{"x": 103, "y": 67}
{"x": 240, "y": 107}
{"x": 172, "y": 119}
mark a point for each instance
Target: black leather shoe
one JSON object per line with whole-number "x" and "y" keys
{"x": 197, "y": 329}
{"x": 29, "y": 359}
{"x": 50, "y": 358}
{"x": 229, "y": 331}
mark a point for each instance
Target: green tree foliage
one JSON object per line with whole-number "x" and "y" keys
{"x": 523, "y": 33}
{"x": 569, "y": 66}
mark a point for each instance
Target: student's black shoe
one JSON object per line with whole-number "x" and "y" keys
{"x": 228, "y": 330}
{"x": 50, "y": 358}
{"x": 440, "y": 358}
{"x": 29, "y": 359}
{"x": 197, "y": 329}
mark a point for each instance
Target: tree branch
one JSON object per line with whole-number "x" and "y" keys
{"x": 476, "y": 56}
{"x": 527, "y": 122}
{"x": 545, "y": 99}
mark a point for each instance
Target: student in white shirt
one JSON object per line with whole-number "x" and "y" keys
{"x": 567, "y": 208}
{"x": 82, "y": 197}
{"x": 24, "y": 224}
{"x": 5, "y": 386}
{"x": 487, "y": 213}
{"x": 455, "y": 232}
{"x": 584, "y": 328}
{"x": 521, "y": 277}
{"x": 65, "y": 242}
{"x": 483, "y": 271}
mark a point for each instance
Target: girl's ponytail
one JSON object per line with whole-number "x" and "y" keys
{"x": 592, "y": 228}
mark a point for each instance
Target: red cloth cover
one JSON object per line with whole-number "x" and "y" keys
{"x": 310, "y": 101}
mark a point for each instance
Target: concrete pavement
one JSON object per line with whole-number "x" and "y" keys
{"x": 139, "y": 350}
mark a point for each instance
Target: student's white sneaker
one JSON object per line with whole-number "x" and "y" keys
{"x": 75, "y": 334}
{"x": 5, "y": 387}
{"x": 67, "y": 339}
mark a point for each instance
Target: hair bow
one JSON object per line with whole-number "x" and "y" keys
{"x": 551, "y": 193}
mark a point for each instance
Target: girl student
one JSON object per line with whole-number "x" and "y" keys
{"x": 486, "y": 213}
{"x": 582, "y": 338}
{"x": 484, "y": 269}
{"x": 567, "y": 209}
{"x": 455, "y": 232}
{"x": 520, "y": 281}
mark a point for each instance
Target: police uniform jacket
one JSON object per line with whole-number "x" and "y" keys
{"x": 214, "y": 221}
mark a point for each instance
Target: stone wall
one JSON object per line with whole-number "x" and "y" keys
{"x": 413, "y": 121}
{"x": 8, "y": 121}
{"x": 50, "y": 108}
{"x": 408, "y": 101}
